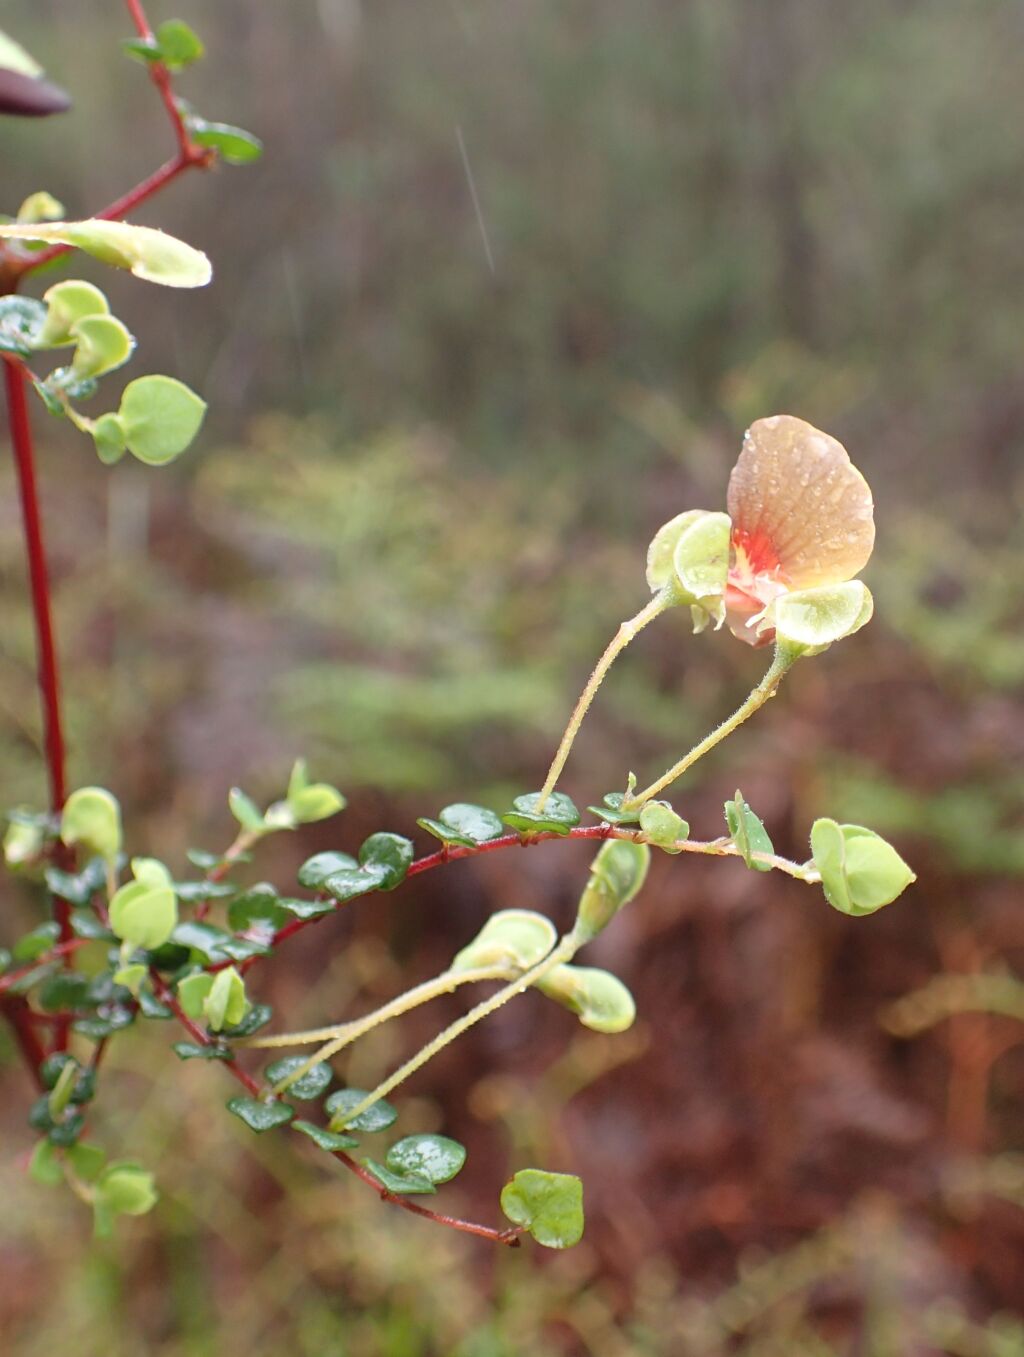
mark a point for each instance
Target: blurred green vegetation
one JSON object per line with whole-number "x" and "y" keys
{"x": 419, "y": 509}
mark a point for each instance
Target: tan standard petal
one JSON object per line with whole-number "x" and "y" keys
{"x": 798, "y": 502}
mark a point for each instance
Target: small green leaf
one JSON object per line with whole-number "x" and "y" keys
{"x": 23, "y": 844}
{"x": 400, "y": 1183}
{"x": 258, "y": 1016}
{"x": 92, "y": 817}
{"x": 79, "y": 888}
{"x": 213, "y": 945}
{"x": 146, "y": 252}
{"x": 144, "y": 914}
{"x": 436, "y": 1158}
{"x": 517, "y": 938}
{"x": 377, "y": 1117}
{"x": 21, "y": 321}
{"x": 327, "y": 1140}
{"x": 464, "y": 825}
{"x": 316, "y": 870}
{"x": 108, "y": 434}
{"x": 65, "y": 990}
{"x": 234, "y": 144}
{"x": 102, "y": 343}
{"x": 616, "y": 876}
{"x": 245, "y": 811}
{"x": 307, "y": 1086}
{"x": 159, "y": 417}
{"x": 549, "y": 1205}
{"x": 387, "y": 857}
{"x": 44, "y": 1167}
{"x": 260, "y": 1116}
{"x": 599, "y": 999}
{"x": 126, "y": 1189}
{"x": 34, "y": 944}
{"x": 860, "y": 872}
{"x": 663, "y": 827}
{"x": 141, "y": 49}
{"x": 558, "y": 816}
{"x": 191, "y": 1050}
{"x": 748, "y": 833}
{"x": 611, "y": 810}
{"x": 178, "y": 44}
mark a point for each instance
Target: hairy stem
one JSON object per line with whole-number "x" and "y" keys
{"x": 565, "y": 951}
{"x": 766, "y": 689}
{"x": 615, "y": 647}
{"x": 346, "y": 1033}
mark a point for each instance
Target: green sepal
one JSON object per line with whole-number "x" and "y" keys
{"x": 617, "y": 874}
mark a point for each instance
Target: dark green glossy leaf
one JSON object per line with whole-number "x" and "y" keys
{"x": 193, "y": 892}
{"x": 78, "y": 888}
{"x": 207, "y": 862}
{"x": 327, "y": 1140}
{"x": 315, "y": 870}
{"x": 748, "y": 833}
{"x": 257, "y": 909}
{"x": 109, "y": 1021}
{"x": 65, "y": 1133}
{"x": 400, "y": 1183}
{"x": 65, "y": 990}
{"x": 377, "y": 1117}
{"x": 233, "y": 144}
{"x": 258, "y": 1016}
{"x": 214, "y": 944}
{"x": 387, "y": 857}
{"x": 191, "y": 1050}
{"x": 260, "y": 1116}
{"x": 85, "y": 924}
{"x": 151, "y": 1007}
{"x": 558, "y": 816}
{"x": 21, "y": 319}
{"x": 310, "y": 1085}
{"x": 464, "y": 825}
{"x": 34, "y": 944}
{"x": 436, "y": 1158}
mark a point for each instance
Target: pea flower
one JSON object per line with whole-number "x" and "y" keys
{"x": 802, "y": 528}
{"x": 781, "y": 563}
{"x": 779, "y": 567}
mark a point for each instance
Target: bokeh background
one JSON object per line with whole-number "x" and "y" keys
{"x": 500, "y": 298}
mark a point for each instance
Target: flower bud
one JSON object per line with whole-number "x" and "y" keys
{"x": 516, "y": 938}
{"x": 616, "y": 877}
{"x": 599, "y": 999}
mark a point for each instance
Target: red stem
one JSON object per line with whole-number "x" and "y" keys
{"x": 49, "y": 681}
{"x": 16, "y": 1010}
{"x": 161, "y": 78}
{"x": 511, "y": 1237}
